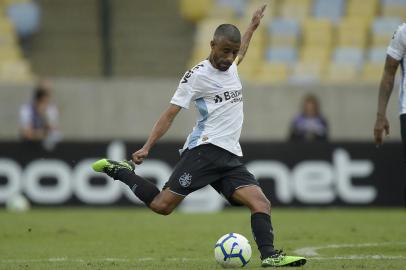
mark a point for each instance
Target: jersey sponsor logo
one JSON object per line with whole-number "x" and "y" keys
{"x": 234, "y": 96}
{"x": 185, "y": 180}
{"x": 218, "y": 99}
{"x": 189, "y": 73}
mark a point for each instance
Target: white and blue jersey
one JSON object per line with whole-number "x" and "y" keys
{"x": 218, "y": 98}
{"x": 397, "y": 50}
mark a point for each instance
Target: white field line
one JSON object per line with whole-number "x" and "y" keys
{"x": 360, "y": 257}
{"x": 81, "y": 260}
{"x": 313, "y": 251}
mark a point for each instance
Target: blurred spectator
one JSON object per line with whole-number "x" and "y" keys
{"x": 309, "y": 125}
{"x": 39, "y": 119}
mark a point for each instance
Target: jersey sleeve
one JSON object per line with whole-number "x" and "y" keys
{"x": 397, "y": 46}
{"x": 186, "y": 92}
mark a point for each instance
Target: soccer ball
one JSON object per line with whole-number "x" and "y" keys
{"x": 17, "y": 203}
{"x": 232, "y": 250}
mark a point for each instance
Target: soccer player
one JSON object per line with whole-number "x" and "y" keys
{"x": 396, "y": 53}
{"x": 211, "y": 153}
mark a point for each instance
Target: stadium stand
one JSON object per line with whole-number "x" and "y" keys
{"x": 335, "y": 41}
{"x": 13, "y": 66}
{"x": 68, "y": 43}
{"x": 150, "y": 39}
{"x": 300, "y": 40}
{"x": 293, "y": 9}
{"x": 331, "y": 10}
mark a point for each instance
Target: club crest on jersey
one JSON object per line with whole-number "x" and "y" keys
{"x": 185, "y": 180}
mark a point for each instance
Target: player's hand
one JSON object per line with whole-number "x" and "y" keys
{"x": 139, "y": 156}
{"x": 256, "y": 18}
{"x": 381, "y": 126}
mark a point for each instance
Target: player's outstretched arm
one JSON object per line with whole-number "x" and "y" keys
{"x": 160, "y": 128}
{"x": 246, "y": 38}
{"x": 385, "y": 91}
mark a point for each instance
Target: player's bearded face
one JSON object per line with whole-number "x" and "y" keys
{"x": 223, "y": 53}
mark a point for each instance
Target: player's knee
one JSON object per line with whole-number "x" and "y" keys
{"x": 161, "y": 208}
{"x": 262, "y": 205}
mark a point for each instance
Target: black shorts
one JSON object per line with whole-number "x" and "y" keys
{"x": 403, "y": 133}
{"x": 209, "y": 165}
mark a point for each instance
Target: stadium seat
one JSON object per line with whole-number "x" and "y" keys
{"x": 332, "y": 10}
{"x": 348, "y": 56}
{"x": 252, "y": 62}
{"x": 237, "y": 6}
{"x": 305, "y": 73}
{"x": 6, "y": 25}
{"x": 394, "y": 2}
{"x": 7, "y": 39}
{"x": 394, "y": 8}
{"x": 295, "y": 9}
{"x": 7, "y": 33}
{"x": 195, "y": 10}
{"x": 287, "y": 55}
{"x": 272, "y": 73}
{"x": 259, "y": 40}
{"x": 15, "y": 71}
{"x": 383, "y": 29}
{"x": 318, "y": 32}
{"x": 283, "y": 32}
{"x": 376, "y": 55}
{"x": 226, "y": 10}
{"x": 372, "y": 72}
{"x": 10, "y": 53}
{"x": 253, "y": 5}
{"x": 353, "y": 32}
{"x": 362, "y": 8}
{"x": 341, "y": 73}
{"x": 319, "y": 55}
{"x": 249, "y": 70}
{"x": 226, "y": 13}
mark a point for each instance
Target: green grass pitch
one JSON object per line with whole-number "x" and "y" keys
{"x": 134, "y": 238}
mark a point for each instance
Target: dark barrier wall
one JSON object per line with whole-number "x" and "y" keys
{"x": 343, "y": 174}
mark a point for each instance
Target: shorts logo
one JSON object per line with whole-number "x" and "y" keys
{"x": 185, "y": 180}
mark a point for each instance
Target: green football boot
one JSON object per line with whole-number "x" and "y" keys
{"x": 281, "y": 259}
{"x": 111, "y": 167}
